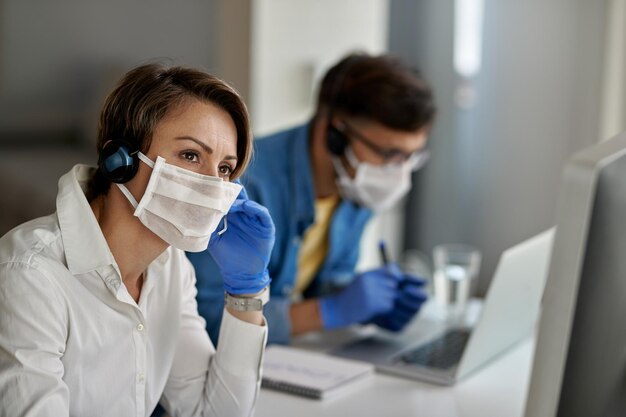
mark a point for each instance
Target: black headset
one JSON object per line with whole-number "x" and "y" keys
{"x": 118, "y": 161}
{"x": 336, "y": 140}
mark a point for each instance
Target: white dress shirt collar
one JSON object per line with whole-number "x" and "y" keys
{"x": 86, "y": 249}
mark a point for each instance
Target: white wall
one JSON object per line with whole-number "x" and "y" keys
{"x": 294, "y": 43}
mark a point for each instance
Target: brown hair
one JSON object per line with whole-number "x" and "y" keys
{"x": 147, "y": 93}
{"x": 380, "y": 88}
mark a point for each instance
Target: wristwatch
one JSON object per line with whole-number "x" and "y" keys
{"x": 254, "y": 303}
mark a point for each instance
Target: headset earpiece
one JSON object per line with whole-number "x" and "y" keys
{"x": 336, "y": 140}
{"x": 118, "y": 161}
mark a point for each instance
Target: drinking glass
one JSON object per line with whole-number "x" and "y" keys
{"x": 456, "y": 267}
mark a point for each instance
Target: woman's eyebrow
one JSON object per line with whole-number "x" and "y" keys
{"x": 203, "y": 145}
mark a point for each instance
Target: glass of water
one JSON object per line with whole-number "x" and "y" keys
{"x": 455, "y": 268}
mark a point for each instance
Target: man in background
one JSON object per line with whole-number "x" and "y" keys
{"x": 322, "y": 182}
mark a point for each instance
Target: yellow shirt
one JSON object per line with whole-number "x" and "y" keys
{"x": 315, "y": 243}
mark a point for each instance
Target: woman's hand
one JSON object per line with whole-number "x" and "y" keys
{"x": 242, "y": 251}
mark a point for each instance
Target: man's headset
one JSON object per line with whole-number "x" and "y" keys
{"x": 118, "y": 161}
{"x": 336, "y": 140}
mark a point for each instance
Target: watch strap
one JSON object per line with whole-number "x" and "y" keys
{"x": 254, "y": 303}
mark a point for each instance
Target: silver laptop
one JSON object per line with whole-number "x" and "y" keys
{"x": 434, "y": 351}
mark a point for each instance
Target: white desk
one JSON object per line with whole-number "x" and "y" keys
{"x": 497, "y": 390}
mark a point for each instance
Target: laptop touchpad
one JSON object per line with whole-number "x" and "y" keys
{"x": 371, "y": 349}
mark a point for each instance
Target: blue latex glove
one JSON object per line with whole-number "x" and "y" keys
{"x": 242, "y": 252}
{"x": 370, "y": 294}
{"x": 409, "y": 299}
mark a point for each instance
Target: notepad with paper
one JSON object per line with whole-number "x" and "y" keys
{"x": 311, "y": 374}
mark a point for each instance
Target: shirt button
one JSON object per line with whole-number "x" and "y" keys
{"x": 140, "y": 327}
{"x": 141, "y": 377}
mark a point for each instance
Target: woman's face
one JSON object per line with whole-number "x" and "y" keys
{"x": 197, "y": 136}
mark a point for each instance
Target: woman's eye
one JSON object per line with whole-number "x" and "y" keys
{"x": 226, "y": 170}
{"x": 190, "y": 156}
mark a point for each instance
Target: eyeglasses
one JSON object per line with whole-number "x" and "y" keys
{"x": 419, "y": 157}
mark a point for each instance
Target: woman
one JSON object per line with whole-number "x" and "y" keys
{"x": 97, "y": 301}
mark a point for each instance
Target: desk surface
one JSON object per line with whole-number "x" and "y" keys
{"x": 499, "y": 389}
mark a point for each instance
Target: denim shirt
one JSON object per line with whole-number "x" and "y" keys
{"x": 280, "y": 177}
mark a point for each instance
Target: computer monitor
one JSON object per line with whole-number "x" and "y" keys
{"x": 580, "y": 356}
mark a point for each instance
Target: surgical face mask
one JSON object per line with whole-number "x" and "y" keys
{"x": 377, "y": 187}
{"x": 180, "y": 206}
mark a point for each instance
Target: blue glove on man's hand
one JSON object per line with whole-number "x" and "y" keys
{"x": 370, "y": 294}
{"x": 243, "y": 251}
{"x": 409, "y": 299}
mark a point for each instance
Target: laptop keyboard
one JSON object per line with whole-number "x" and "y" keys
{"x": 441, "y": 353}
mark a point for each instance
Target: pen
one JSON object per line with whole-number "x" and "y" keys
{"x": 407, "y": 279}
{"x": 383, "y": 252}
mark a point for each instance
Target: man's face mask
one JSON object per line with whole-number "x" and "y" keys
{"x": 377, "y": 187}
{"x": 180, "y": 206}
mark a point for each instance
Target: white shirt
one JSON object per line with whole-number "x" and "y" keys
{"x": 73, "y": 342}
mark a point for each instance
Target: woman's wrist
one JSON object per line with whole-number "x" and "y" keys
{"x": 247, "y": 307}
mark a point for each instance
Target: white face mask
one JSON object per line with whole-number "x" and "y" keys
{"x": 377, "y": 187}
{"x": 180, "y": 206}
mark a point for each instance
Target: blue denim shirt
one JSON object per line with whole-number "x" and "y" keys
{"x": 280, "y": 177}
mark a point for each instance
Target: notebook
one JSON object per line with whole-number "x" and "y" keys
{"x": 442, "y": 353}
{"x": 311, "y": 374}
